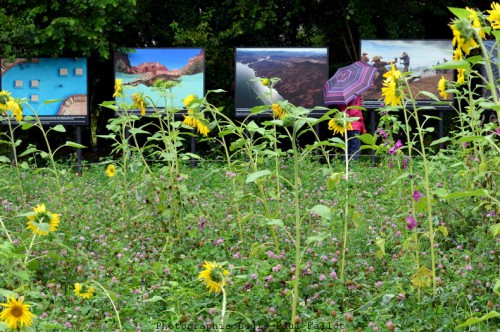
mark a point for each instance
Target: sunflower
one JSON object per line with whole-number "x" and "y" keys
{"x": 4, "y": 98}
{"x": 494, "y": 17}
{"x": 111, "y": 170}
{"x": 337, "y": 126}
{"x": 193, "y": 122}
{"x": 139, "y": 102}
{"x": 16, "y": 314}
{"x": 42, "y": 222}
{"x": 118, "y": 88}
{"x": 463, "y": 36}
{"x": 15, "y": 108}
{"x": 86, "y": 295}
{"x": 393, "y": 74}
{"x": 188, "y": 101}
{"x": 476, "y": 21}
{"x": 266, "y": 82}
{"x": 391, "y": 93}
{"x": 278, "y": 111}
{"x": 442, "y": 87}
{"x": 213, "y": 276}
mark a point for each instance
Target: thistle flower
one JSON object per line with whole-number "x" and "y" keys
{"x": 118, "y": 88}
{"x": 214, "y": 276}
{"x": 494, "y": 17}
{"x": 87, "y": 294}
{"x": 42, "y": 222}
{"x": 16, "y": 314}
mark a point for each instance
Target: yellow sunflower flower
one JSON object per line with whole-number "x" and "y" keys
{"x": 463, "y": 37}
{"x": 338, "y": 127}
{"x": 4, "y": 98}
{"x": 139, "y": 102}
{"x": 494, "y": 17}
{"x": 214, "y": 276}
{"x": 265, "y": 82}
{"x": 42, "y": 222}
{"x": 442, "y": 87}
{"x": 193, "y": 122}
{"x": 188, "y": 101}
{"x": 118, "y": 88}
{"x": 111, "y": 170}
{"x": 16, "y": 314}
{"x": 278, "y": 111}
{"x": 393, "y": 73}
{"x": 460, "y": 76}
{"x": 476, "y": 21}
{"x": 392, "y": 96}
{"x": 86, "y": 295}
{"x": 15, "y": 108}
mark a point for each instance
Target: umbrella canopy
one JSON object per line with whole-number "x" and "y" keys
{"x": 348, "y": 82}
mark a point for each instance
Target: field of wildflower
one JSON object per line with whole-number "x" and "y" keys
{"x": 256, "y": 236}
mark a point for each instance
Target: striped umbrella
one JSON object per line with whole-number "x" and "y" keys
{"x": 348, "y": 82}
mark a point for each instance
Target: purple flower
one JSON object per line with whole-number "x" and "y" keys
{"x": 498, "y": 131}
{"x": 410, "y": 222}
{"x": 396, "y": 147}
{"x": 382, "y": 132}
{"x": 405, "y": 162}
{"x": 417, "y": 195}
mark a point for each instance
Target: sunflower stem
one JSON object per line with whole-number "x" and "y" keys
{"x": 112, "y": 303}
{"x": 223, "y": 311}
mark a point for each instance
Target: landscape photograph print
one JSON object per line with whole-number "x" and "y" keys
{"x": 140, "y": 68}
{"x": 302, "y": 73}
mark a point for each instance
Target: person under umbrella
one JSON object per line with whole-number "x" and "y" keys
{"x": 358, "y": 127}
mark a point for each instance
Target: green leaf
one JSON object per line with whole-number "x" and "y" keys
{"x": 496, "y": 288}
{"x": 275, "y": 222}
{"x": 316, "y": 238}
{"x": 51, "y": 101}
{"x": 460, "y": 13}
{"x": 254, "y": 176}
{"x": 495, "y": 230}
{"x": 459, "y": 64}
{"x": 323, "y": 211}
{"x": 59, "y": 128}
{"x": 430, "y": 95}
{"x": 333, "y": 180}
{"x": 153, "y": 299}
{"x": 367, "y": 139}
{"x": 461, "y": 194}
{"x": 471, "y": 138}
{"x": 441, "y": 140}
{"x": 74, "y": 145}
{"x": 475, "y": 320}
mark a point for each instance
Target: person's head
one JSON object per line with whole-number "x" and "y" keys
{"x": 404, "y": 53}
{"x": 376, "y": 58}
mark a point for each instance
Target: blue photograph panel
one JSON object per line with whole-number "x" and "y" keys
{"x": 37, "y": 80}
{"x": 140, "y": 68}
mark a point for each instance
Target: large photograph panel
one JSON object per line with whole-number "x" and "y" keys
{"x": 140, "y": 68}
{"x": 302, "y": 73}
{"x": 417, "y": 56}
{"x": 40, "y": 79}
